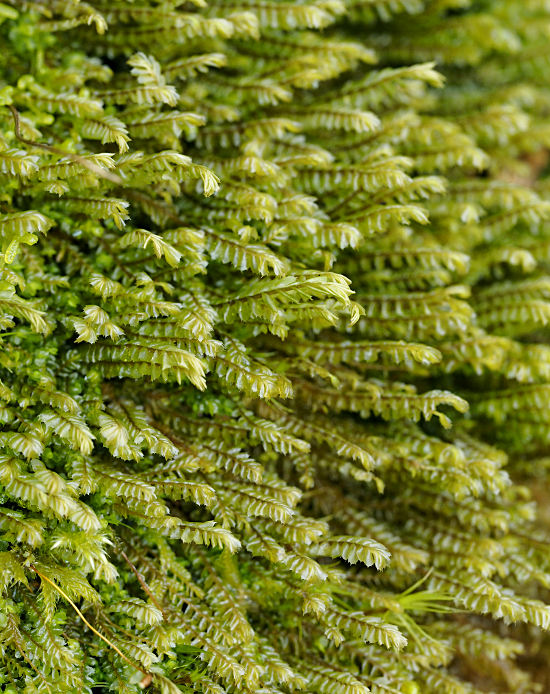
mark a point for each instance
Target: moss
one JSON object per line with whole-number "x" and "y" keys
{"x": 274, "y": 371}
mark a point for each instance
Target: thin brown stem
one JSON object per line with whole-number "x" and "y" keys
{"x": 97, "y": 170}
{"x": 86, "y": 622}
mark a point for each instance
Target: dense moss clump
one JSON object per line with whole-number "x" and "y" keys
{"x": 275, "y": 381}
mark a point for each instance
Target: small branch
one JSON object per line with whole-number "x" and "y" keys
{"x": 97, "y": 170}
{"x": 142, "y": 583}
{"x": 87, "y": 623}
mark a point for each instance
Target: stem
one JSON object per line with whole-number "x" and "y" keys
{"x": 86, "y": 622}
{"x": 97, "y": 170}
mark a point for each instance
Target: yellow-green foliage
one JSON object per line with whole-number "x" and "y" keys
{"x": 274, "y": 294}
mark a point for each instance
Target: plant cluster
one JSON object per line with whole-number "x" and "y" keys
{"x": 275, "y": 387}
